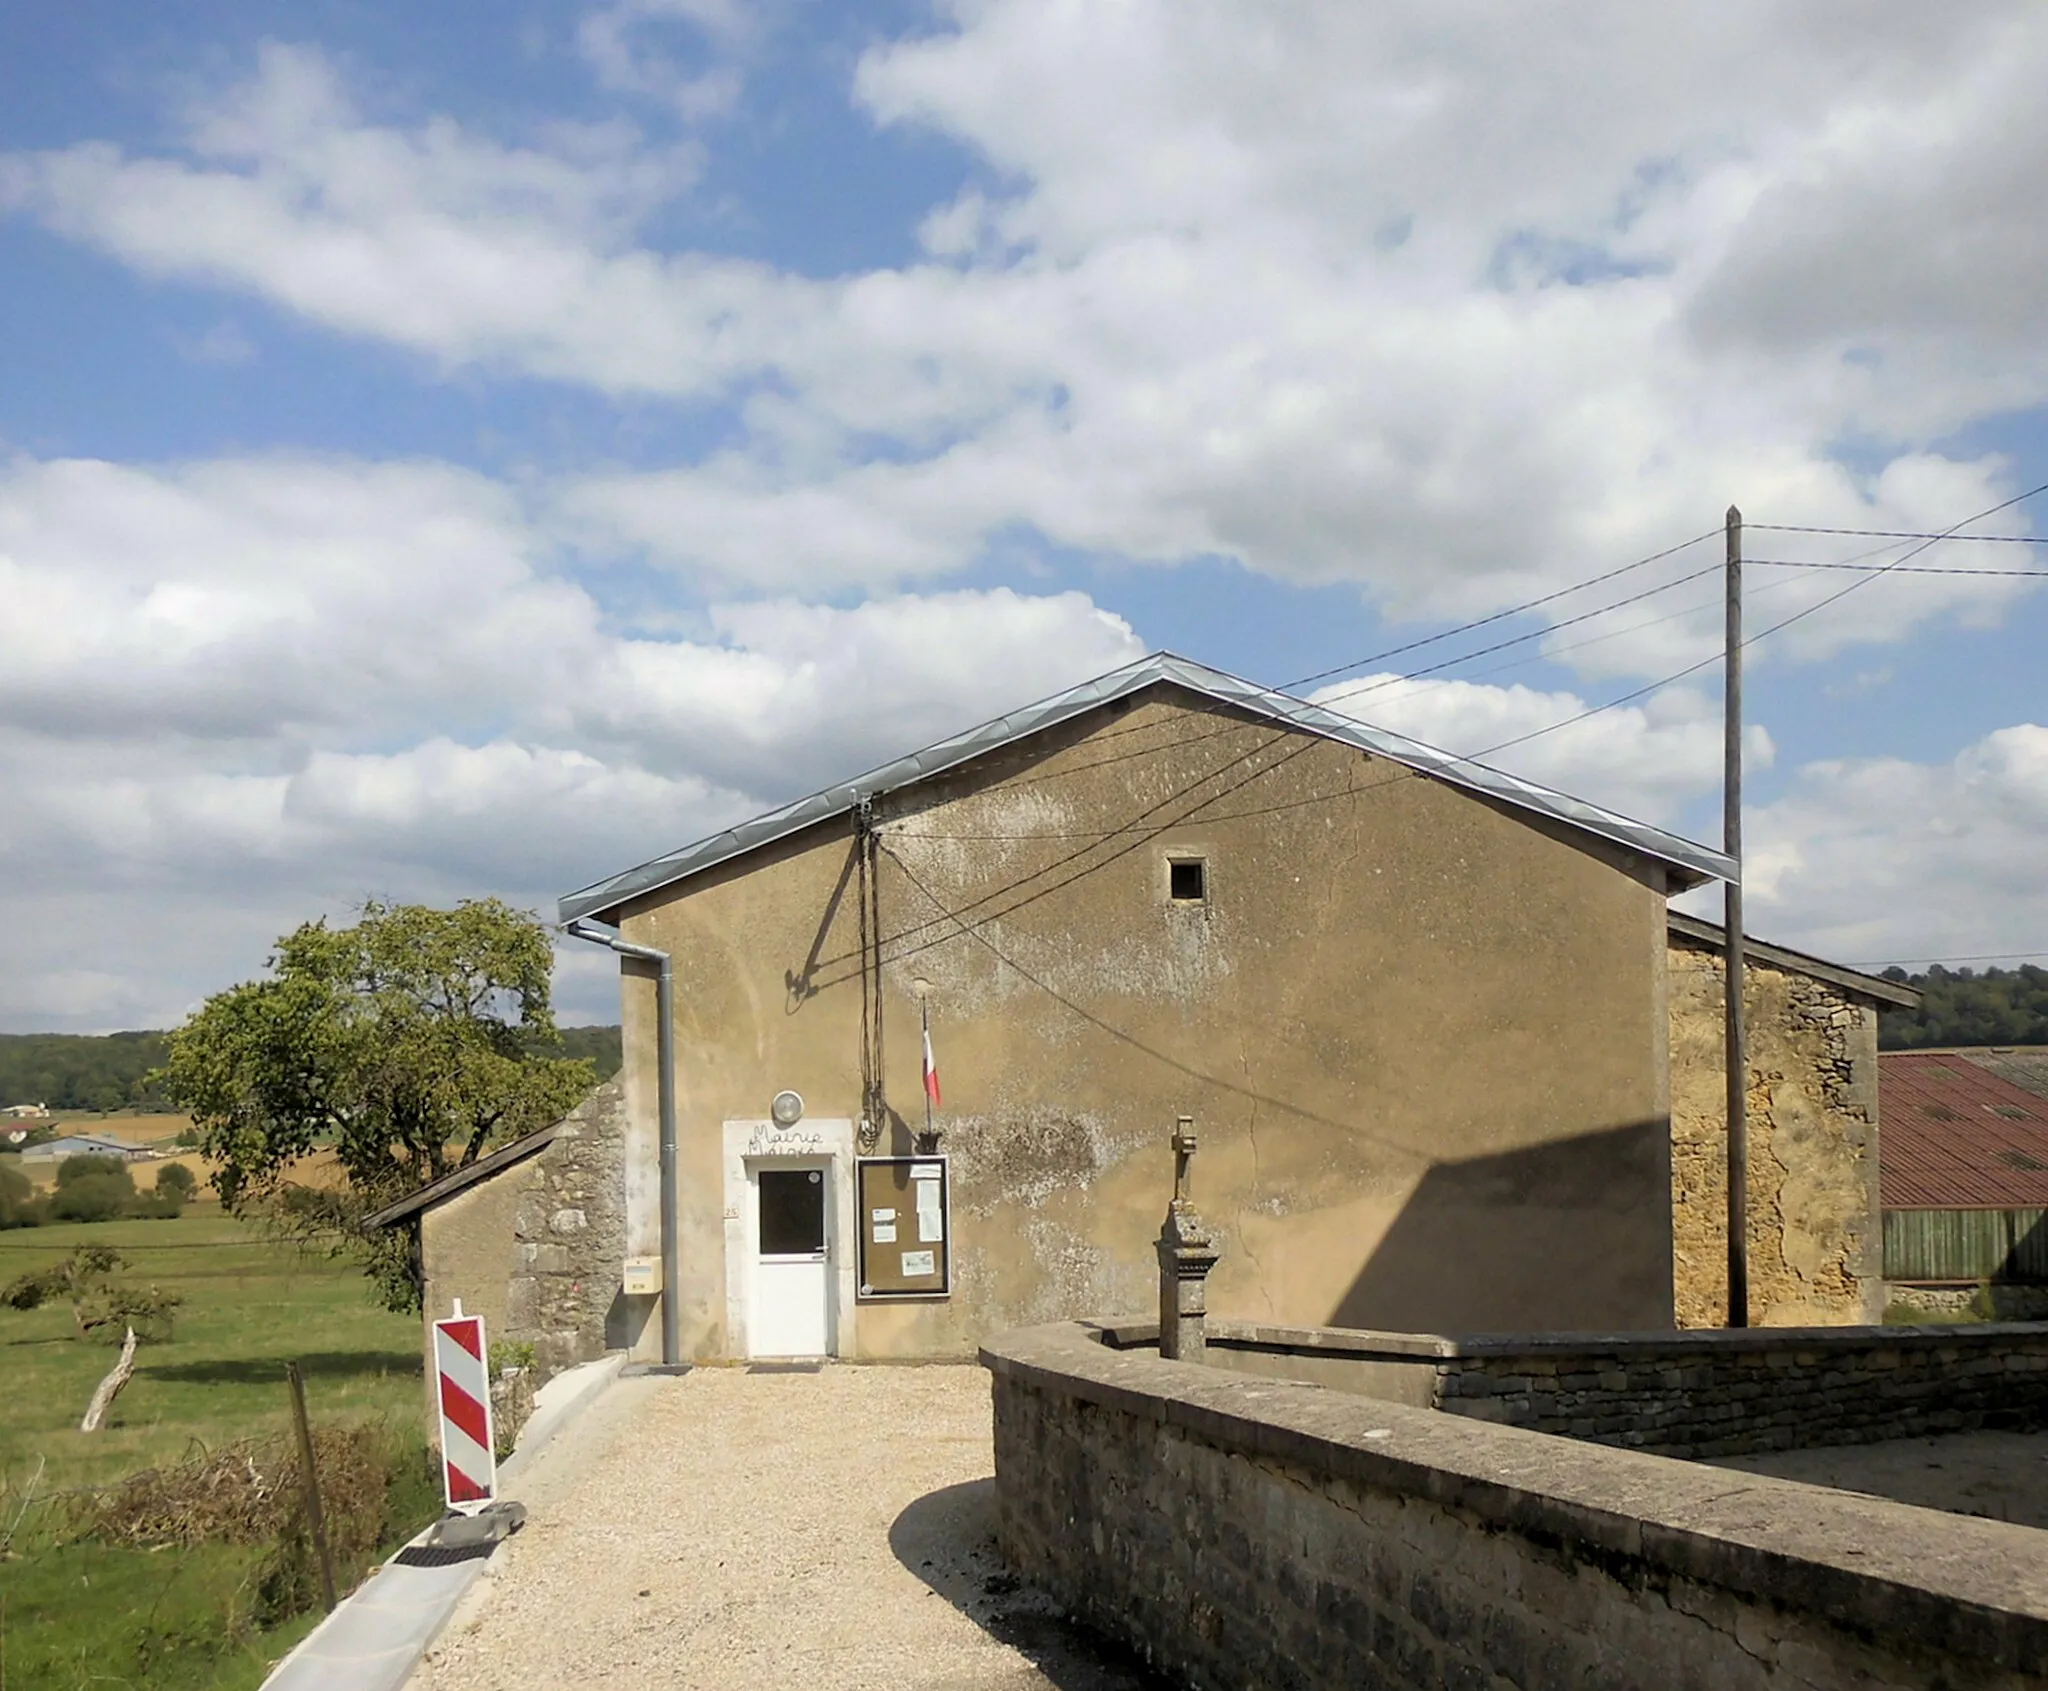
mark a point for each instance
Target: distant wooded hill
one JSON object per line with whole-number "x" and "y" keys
{"x": 70, "y": 1071}
{"x": 1964, "y": 1007}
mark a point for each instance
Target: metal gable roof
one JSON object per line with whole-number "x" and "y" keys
{"x": 1954, "y": 1136}
{"x": 1690, "y": 863}
{"x": 1872, "y": 988}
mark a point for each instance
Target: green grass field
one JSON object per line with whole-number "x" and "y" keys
{"x": 85, "y": 1614}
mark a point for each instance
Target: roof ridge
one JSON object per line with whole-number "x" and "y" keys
{"x": 1694, "y": 862}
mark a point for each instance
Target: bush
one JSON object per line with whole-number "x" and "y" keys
{"x": 85, "y": 1166}
{"x": 176, "y": 1177}
{"x": 166, "y": 1205}
{"x": 377, "y": 1488}
{"x": 93, "y": 1197}
{"x": 18, "y": 1204}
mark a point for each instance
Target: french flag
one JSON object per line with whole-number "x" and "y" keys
{"x": 931, "y": 1065}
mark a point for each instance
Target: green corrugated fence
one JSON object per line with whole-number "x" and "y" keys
{"x": 2009, "y": 1246}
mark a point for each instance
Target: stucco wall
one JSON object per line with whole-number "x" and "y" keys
{"x": 1814, "y": 1240}
{"x": 1424, "y": 1038}
{"x": 466, "y": 1248}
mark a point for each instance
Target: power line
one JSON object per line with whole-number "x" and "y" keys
{"x": 1143, "y": 827}
{"x": 1516, "y": 640}
{"x": 1237, "y": 1088}
{"x": 1497, "y": 616}
{"x": 1914, "y": 552}
{"x": 1935, "y": 962}
{"x": 1375, "y": 685}
{"x": 1476, "y": 759}
{"x": 1882, "y": 569}
{"x": 1905, "y": 533}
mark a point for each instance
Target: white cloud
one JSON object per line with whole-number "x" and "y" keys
{"x": 236, "y": 694}
{"x": 615, "y": 41}
{"x": 1646, "y": 760}
{"x": 433, "y": 238}
{"x": 1457, "y": 305}
{"x": 1872, "y": 859}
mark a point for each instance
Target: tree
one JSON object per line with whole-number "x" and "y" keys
{"x": 99, "y": 1305}
{"x": 408, "y": 1045}
{"x": 85, "y": 1280}
{"x": 176, "y": 1177}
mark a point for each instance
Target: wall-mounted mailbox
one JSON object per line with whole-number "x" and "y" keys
{"x": 642, "y": 1277}
{"x": 905, "y": 1227}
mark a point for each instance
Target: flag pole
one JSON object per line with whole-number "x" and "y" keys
{"x": 926, "y": 1006}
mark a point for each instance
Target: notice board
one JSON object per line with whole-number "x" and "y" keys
{"x": 906, "y": 1227}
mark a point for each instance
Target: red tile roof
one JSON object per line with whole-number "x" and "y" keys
{"x": 1952, "y": 1136}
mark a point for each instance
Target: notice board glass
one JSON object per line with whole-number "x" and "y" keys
{"x": 906, "y": 1227}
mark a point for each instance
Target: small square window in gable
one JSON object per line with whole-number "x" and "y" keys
{"x": 1187, "y": 880}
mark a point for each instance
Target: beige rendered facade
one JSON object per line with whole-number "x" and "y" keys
{"x": 1423, "y": 1033}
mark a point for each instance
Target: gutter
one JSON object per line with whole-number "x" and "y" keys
{"x": 671, "y": 1252}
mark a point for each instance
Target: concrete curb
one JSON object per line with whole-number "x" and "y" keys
{"x": 555, "y": 1404}
{"x": 376, "y": 1636}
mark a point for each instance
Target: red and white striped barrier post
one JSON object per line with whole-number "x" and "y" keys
{"x": 469, "y": 1464}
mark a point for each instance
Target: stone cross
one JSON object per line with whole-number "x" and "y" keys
{"x": 1186, "y": 1254}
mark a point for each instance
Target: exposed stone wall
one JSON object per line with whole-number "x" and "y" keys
{"x": 1814, "y": 1239}
{"x": 538, "y": 1248}
{"x": 1242, "y": 1533}
{"x": 570, "y": 1237}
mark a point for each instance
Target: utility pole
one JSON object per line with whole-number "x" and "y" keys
{"x": 1737, "y": 1053}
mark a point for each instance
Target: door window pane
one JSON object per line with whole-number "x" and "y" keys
{"x": 792, "y": 1211}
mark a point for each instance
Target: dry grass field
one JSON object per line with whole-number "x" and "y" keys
{"x": 160, "y": 1131}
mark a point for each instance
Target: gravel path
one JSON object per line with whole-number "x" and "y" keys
{"x": 829, "y": 1531}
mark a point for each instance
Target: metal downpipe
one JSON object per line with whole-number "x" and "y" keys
{"x": 665, "y": 1062}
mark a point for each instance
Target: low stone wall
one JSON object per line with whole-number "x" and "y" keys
{"x": 2008, "y": 1303}
{"x": 1244, "y": 1532}
{"x": 1686, "y": 1394}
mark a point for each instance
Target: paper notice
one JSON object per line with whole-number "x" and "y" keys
{"x": 927, "y": 1171}
{"x": 931, "y": 1220}
{"x": 919, "y": 1263}
{"x": 883, "y": 1215}
{"x": 885, "y": 1232}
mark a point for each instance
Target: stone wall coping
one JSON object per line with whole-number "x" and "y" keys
{"x": 1950, "y": 1584}
{"x": 1698, "y": 1343}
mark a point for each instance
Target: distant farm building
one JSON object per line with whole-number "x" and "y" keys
{"x": 85, "y": 1145}
{"x": 1965, "y": 1155}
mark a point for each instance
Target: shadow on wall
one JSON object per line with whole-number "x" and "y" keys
{"x": 627, "y": 1318}
{"x": 1573, "y": 1236}
{"x": 948, "y": 1540}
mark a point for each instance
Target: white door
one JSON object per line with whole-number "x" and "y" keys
{"x": 793, "y": 1262}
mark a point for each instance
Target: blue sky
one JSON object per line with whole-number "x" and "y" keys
{"x": 470, "y": 449}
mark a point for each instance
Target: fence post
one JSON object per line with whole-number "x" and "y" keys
{"x": 314, "y": 1516}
